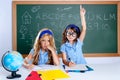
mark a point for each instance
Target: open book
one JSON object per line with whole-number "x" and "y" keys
{"x": 78, "y": 67}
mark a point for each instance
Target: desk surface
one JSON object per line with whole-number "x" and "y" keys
{"x": 101, "y": 72}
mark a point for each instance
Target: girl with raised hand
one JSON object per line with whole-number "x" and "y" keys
{"x": 72, "y": 41}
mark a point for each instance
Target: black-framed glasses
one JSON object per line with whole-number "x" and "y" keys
{"x": 71, "y": 33}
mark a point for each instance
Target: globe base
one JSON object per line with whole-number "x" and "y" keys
{"x": 14, "y": 75}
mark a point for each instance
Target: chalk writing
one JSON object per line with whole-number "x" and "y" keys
{"x": 101, "y": 23}
{"x": 26, "y": 18}
{"x": 35, "y": 9}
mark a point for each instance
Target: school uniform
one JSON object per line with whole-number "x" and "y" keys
{"x": 74, "y": 52}
{"x": 43, "y": 58}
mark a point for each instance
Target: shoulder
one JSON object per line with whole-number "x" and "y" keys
{"x": 79, "y": 42}
{"x": 63, "y": 45}
{"x": 31, "y": 51}
{"x": 62, "y": 48}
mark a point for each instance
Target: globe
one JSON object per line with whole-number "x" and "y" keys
{"x": 12, "y": 61}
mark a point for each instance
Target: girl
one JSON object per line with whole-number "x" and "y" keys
{"x": 72, "y": 42}
{"x": 44, "y": 50}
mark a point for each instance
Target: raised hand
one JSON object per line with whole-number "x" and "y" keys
{"x": 82, "y": 11}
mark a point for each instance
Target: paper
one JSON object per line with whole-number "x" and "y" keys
{"x": 46, "y": 67}
{"x": 49, "y": 67}
{"x": 81, "y": 67}
{"x": 36, "y": 68}
{"x": 52, "y": 74}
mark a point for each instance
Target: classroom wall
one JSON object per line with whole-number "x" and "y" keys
{"x": 5, "y": 26}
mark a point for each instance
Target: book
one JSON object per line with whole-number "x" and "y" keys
{"x": 53, "y": 74}
{"x": 33, "y": 76}
{"x": 76, "y": 68}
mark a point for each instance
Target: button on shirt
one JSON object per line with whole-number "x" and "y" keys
{"x": 74, "y": 52}
{"x": 43, "y": 58}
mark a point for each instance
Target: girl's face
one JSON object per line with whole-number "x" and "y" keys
{"x": 71, "y": 35}
{"x": 45, "y": 41}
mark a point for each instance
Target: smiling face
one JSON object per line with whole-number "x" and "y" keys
{"x": 71, "y": 35}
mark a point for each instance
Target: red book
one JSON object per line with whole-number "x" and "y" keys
{"x": 33, "y": 76}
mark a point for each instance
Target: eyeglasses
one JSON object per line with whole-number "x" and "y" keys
{"x": 71, "y": 33}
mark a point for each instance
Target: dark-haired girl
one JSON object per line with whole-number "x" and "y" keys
{"x": 72, "y": 42}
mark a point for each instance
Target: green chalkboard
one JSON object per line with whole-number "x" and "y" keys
{"x": 101, "y": 19}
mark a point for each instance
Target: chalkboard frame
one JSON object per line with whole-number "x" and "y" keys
{"x": 14, "y": 21}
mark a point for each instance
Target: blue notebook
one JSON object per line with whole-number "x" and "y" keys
{"x": 78, "y": 68}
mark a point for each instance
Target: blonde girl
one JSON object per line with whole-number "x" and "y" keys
{"x": 43, "y": 51}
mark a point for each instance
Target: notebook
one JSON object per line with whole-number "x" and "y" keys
{"x": 33, "y": 76}
{"x": 53, "y": 74}
{"x": 79, "y": 67}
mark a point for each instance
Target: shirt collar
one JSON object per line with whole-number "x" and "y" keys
{"x": 70, "y": 45}
{"x": 41, "y": 52}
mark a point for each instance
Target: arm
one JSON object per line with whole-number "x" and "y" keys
{"x": 83, "y": 22}
{"x": 54, "y": 55}
{"x": 55, "y": 58}
{"x": 66, "y": 62}
{"x": 26, "y": 62}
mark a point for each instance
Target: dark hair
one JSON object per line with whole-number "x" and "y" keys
{"x": 75, "y": 28}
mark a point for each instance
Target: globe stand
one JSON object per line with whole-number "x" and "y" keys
{"x": 14, "y": 75}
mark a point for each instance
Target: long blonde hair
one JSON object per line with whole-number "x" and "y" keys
{"x": 37, "y": 46}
